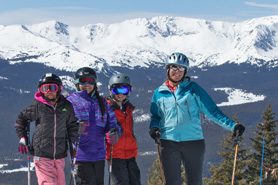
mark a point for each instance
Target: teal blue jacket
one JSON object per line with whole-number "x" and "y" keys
{"x": 177, "y": 115}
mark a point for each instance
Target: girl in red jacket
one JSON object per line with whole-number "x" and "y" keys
{"x": 124, "y": 170}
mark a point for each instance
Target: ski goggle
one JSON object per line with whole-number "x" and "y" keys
{"x": 86, "y": 80}
{"x": 173, "y": 67}
{"x": 49, "y": 87}
{"x": 120, "y": 89}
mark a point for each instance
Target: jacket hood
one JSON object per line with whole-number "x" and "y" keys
{"x": 39, "y": 97}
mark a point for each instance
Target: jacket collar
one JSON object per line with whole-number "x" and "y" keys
{"x": 182, "y": 84}
{"x": 115, "y": 106}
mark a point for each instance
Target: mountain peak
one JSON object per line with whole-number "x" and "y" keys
{"x": 142, "y": 42}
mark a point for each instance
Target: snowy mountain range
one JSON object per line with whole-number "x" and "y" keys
{"x": 142, "y": 42}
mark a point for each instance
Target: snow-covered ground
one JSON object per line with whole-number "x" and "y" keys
{"x": 239, "y": 96}
{"x": 21, "y": 169}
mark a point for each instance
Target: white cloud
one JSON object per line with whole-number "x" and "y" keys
{"x": 275, "y": 6}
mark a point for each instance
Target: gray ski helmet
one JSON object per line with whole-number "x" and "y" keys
{"x": 84, "y": 72}
{"x": 119, "y": 79}
{"x": 51, "y": 78}
{"x": 178, "y": 59}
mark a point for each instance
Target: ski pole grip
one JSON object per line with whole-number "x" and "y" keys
{"x": 82, "y": 127}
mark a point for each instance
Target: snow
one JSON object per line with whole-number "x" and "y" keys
{"x": 239, "y": 96}
{"x": 142, "y": 41}
{"x": 22, "y": 169}
{"x": 3, "y": 78}
{"x": 142, "y": 118}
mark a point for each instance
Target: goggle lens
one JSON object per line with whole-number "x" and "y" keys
{"x": 177, "y": 68}
{"x": 85, "y": 80}
{"x": 122, "y": 89}
{"x": 49, "y": 87}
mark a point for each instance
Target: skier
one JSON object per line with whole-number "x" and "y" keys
{"x": 175, "y": 120}
{"x": 124, "y": 169}
{"x": 54, "y": 116}
{"x": 93, "y": 109}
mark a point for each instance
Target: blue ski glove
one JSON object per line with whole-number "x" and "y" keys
{"x": 155, "y": 133}
{"x": 112, "y": 136}
{"x": 23, "y": 146}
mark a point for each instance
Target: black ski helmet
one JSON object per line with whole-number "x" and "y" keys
{"x": 84, "y": 72}
{"x": 51, "y": 78}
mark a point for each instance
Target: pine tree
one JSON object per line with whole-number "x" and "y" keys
{"x": 154, "y": 176}
{"x": 222, "y": 174}
{"x": 265, "y": 132}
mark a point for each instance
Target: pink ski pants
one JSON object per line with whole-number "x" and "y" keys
{"x": 49, "y": 171}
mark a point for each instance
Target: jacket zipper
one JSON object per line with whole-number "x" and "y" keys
{"x": 55, "y": 127}
{"x": 188, "y": 110}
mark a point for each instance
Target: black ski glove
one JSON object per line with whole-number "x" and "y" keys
{"x": 238, "y": 131}
{"x": 155, "y": 133}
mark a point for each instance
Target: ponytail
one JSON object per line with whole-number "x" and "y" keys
{"x": 101, "y": 104}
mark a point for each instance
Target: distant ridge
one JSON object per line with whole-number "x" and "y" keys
{"x": 142, "y": 42}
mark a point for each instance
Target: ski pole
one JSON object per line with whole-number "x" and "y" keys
{"x": 29, "y": 177}
{"x": 234, "y": 168}
{"x": 81, "y": 131}
{"x": 29, "y": 146}
{"x": 262, "y": 163}
{"x": 157, "y": 143}
{"x": 110, "y": 165}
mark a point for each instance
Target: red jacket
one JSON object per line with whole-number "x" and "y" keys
{"x": 126, "y": 147}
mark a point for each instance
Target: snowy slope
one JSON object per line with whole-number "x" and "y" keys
{"x": 142, "y": 42}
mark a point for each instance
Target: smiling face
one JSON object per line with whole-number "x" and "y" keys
{"x": 89, "y": 88}
{"x": 120, "y": 97}
{"x": 176, "y": 75}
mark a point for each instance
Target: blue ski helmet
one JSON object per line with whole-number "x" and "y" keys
{"x": 178, "y": 59}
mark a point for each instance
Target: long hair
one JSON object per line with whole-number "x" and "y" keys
{"x": 101, "y": 103}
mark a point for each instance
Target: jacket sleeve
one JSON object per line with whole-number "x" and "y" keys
{"x": 72, "y": 125}
{"x": 26, "y": 116}
{"x": 111, "y": 120}
{"x": 210, "y": 109}
{"x": 155, "y": 117}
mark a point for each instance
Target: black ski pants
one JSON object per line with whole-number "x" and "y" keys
{"x": 190, "y": 153}
{"x": 125, "y": 172}
{"x": 90, "y": 173}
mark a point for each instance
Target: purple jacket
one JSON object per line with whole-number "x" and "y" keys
{"x": 92, "y": 146}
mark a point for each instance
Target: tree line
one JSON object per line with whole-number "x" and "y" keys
{"x": 255, "y": 164}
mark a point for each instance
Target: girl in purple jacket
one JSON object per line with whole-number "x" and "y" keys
{"x": 93, "y": 109}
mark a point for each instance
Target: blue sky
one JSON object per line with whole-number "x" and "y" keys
{"x": 83, "y": 12}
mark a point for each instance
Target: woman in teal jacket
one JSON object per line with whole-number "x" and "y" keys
{"x": 175, "y": 120}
